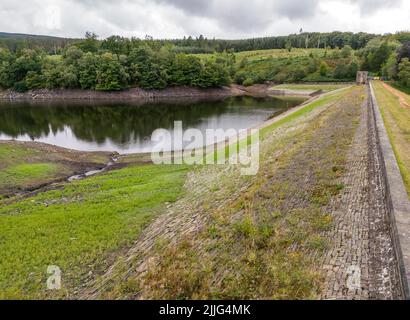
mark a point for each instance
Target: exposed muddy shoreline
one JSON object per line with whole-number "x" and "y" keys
{"x": 135, "y": 94}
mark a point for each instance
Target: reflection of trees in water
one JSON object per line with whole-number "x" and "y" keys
{"x": 119, "y": 122}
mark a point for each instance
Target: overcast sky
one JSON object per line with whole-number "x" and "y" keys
{"x": 212, "y": 18}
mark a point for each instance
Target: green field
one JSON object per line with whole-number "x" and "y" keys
{"x": 397, "y": 120}
{"x": 83, "y": 226}
{"x": 79, "y": 228}
{"x": 309, "y": 87}
{"x": 25, "y": 174}
{"x": 24, "y": 166}
{"x": 298, "y": 65}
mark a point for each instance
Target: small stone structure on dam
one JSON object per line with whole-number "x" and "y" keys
{"x": 362, "y": 77}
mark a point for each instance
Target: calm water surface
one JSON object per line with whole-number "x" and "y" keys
{"x": 127, "y": 127}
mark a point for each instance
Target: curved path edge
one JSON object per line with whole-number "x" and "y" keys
{"x": 397, "y": 199}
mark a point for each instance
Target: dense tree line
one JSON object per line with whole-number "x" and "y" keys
{"x": 118, "y": 63}
{"x": 201, "y": 44}
{"x": 16, "y": 42}
{"x": 389, "y": 58}
{"x": 91, "y": 64}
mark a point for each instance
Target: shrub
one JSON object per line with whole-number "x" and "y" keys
{"x": 240, "y": 77}
{"x": 324, "y": 68}
{"x": 248, "y": 82}
{"x": 404, "y": 72}
{"x": 346, "y": 52}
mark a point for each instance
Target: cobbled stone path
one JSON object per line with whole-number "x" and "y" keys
{"x": 361, "y": 263}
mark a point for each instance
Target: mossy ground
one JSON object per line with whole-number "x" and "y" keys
{"x": 79, "y": 227}
{"x": 26, "y": 166}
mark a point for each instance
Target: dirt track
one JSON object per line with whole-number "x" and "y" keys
{"x": 402, "y": 96}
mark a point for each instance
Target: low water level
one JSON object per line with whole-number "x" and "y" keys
{"x": 127, "y": 127}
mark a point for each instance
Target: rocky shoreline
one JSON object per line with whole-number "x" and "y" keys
{"x": 133, "y": 93}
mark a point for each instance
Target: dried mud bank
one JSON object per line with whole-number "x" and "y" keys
{"x": 135, "y": 93}
{"x": 69, "y": 163}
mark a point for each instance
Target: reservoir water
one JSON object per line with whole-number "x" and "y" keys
{"x": 126, "y": 127}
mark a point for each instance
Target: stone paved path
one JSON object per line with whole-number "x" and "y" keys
{"x": 361, "y": 263}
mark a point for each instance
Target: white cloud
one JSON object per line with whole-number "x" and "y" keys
{"x": 213, "y": 18}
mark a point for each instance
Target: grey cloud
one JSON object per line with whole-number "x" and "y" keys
{"x": 244, "y": 15}
{"x": 176, "y": 18}
{"x": 198, "y": 7}
{"x": 371, "y": 6}
{"x": 297, "y": 9}
{"x": 289, "y": 8}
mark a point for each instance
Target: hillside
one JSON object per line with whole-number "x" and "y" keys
{"x": 7, "y": 35}
{"x": 16, "y": 41}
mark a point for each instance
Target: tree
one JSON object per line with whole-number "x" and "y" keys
{"x": 404, "y": 72}
{"x": 288, "y": 46}
{"x": 87, "y": 67}
{"x": 346, "y": 52}
{"x": 353, "y": 69}
{"x": 139, "y": 62}
{"x": 155, "y": 78}
{"x": 389, "y": 69}
{"x": 243, "y": 63}
{"x": 52, "y": 71}
{"x": 377, "y": 52}
{"x": 68, "y": 77}
{"x": 90, "y": 43}
{"x": 35, "y": 80}
{"x": 6, "y": 59}
{"x": 324, "y": 68}
{"x": 213, "y": 75}
{"x": 72, "y": 55}
{"x": 116, "y": 44}
{"x": 110, "y": 74}
{"x": 185, "y": 70}
{"x": 28, "y": 60}
{"x": 146, "y": 69}
{"x": 404, "y": 51}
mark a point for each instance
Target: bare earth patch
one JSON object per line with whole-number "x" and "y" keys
{"x": 27, "y": 166}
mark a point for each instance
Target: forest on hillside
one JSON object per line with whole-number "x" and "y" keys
{"x": 55, "y": 45}
{"x": 118, "y": 63}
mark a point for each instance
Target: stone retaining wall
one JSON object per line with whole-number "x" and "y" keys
{"x": 396, "y": 198}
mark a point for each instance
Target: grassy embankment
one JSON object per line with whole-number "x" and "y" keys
{"x": 83, "y": 226}
{"x": 309, "y": 87}
{"x": 401, "y": 88}
{"x": 267, "y": 241}
{"x": 298, "y": 65}
{"x": 397, "y": 120}
{"x": 79, "y": 227}
{"x": 24, "y": 166}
